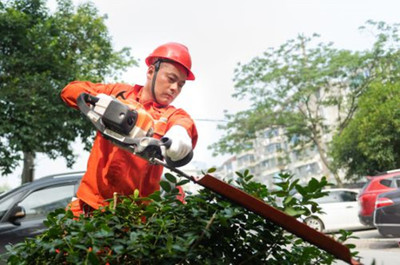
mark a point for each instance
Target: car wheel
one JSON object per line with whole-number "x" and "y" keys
{"x": 315, "y": 223}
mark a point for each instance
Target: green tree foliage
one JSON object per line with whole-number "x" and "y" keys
{"x": 207, "y": 229}
{"x": 371, "y": 142}
{"x": 40, "y": 52}
{"x": 289, "y": 87}
{"x": 296, "y": 85}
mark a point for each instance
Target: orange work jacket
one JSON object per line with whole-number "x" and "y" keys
{"x": 111, "y": 169}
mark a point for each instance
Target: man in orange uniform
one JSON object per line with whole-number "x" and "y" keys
{"x": 111, "y": 169}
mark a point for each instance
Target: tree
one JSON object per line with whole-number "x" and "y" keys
{"x": 289, "y": 87}
{"x": 40, "y": 52}
{"x": 292, "y": 86}
{"x": 371, "y": 142}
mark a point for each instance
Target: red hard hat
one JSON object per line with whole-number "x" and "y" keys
{"x": 175, "y": 52}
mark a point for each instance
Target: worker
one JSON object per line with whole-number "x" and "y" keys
{"x": 112, "y": 169}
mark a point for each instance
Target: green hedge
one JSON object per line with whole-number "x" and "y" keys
{"x": 207, "y": 229}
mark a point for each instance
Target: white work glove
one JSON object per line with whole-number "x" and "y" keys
{"x": 181, "y": 144}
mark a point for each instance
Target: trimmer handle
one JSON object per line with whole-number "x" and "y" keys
{"x": 165, "y": 141}
{"x": 82, "y": 101}
{"x": 85, "y": 98}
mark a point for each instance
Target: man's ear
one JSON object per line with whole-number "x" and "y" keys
{"x": 150, "y": 72}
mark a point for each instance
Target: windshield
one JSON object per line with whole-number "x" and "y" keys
{"x": 4, "y": 194}
{"x": 365, "y": 186}
{"x": 6, "y": 202}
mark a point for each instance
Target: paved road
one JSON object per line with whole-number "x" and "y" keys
{"x": 374, "y": 247}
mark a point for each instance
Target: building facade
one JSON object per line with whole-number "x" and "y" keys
{"x": 271, "y": 154}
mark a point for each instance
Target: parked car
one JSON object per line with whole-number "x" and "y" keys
{"x": 387, "y": 213}
{"x": 386, "y": 181}
{"x": 23, "y": 209}
{"x": 340, "y": 209}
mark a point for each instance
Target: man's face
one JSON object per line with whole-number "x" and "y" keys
{"x": 169, "y": 82}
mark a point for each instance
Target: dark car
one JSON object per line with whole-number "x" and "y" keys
{"x": 23, "y": 209}
{"x": 387, "y": 213}
{"x": 384, "y": 182}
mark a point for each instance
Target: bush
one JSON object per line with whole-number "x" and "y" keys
{"x": 207, "y": 229}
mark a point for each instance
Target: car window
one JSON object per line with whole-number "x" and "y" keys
{"x": 41, "y": 202}
{"x": 397, "y": 183}
{"x": 333, "y": 196}
{"x": 386, "y": 182}
{"x": 348, "y": 196}
{"x": 338, "y": 196}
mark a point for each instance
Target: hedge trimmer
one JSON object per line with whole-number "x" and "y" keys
{"x": 116, "y": 122}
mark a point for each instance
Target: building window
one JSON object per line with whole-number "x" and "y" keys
{"x": 268, "y": 163}
{"x": 273, "y": 148}
{"x": 245, "y": 160}
{"x": 307, "y": 170}
{"x": 271, "y": 133}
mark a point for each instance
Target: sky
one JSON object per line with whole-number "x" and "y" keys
{"x": 219, "y": 35}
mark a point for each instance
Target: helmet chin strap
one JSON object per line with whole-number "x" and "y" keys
{"x": 153, "y": 82}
